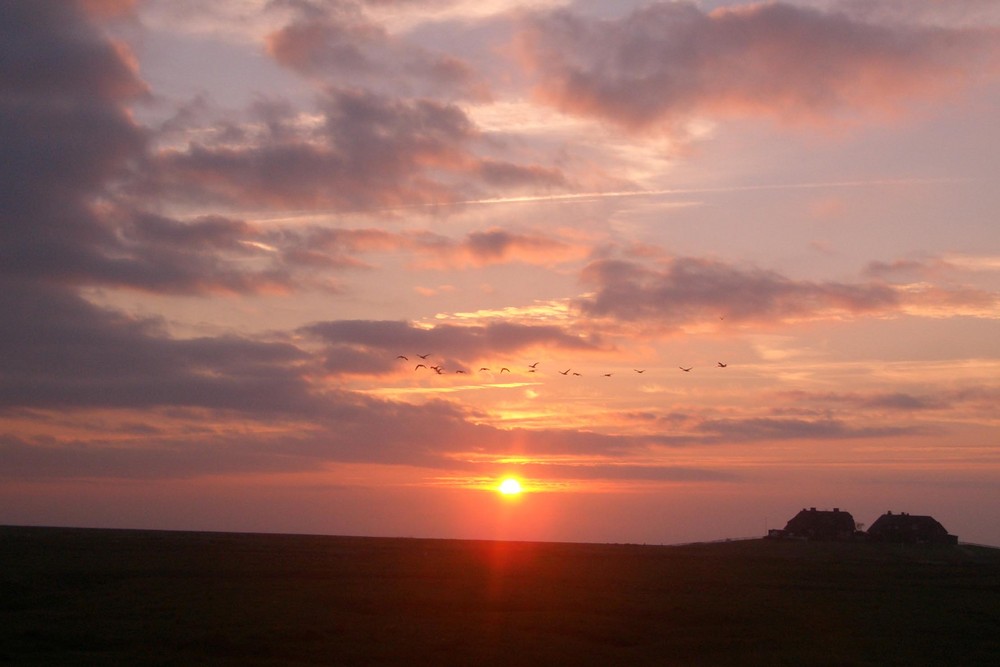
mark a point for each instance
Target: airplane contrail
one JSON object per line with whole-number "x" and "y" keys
{"x": 715, "y": 190}
{"x": 620, "y": 194}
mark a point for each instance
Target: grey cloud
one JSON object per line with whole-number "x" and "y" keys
{"x": 212, "y": 231}
{"x": 51, "y": 47}
{"x": 153, "y": 458}
{"x": 338, "y": 44}
{"x": 61, "y": 351}
{"x": 355, "y": 430}
{"x": 668, "y": 60}
{"x": 899, "y": 401}
{"x": 764, "y": 429}
{"x": 64, "y": 134}
{"x": 500, "y": 243}
{"x": 508, "y": 174}
{"x": 690, "y": 290}
{"x": 383, "y": 340}
{"x": 344, "y": 248}
{"x": 904, "y": 269}
{"x": 70, "y": 142}
{"x": 959, "y": 13}
{"x": 976, "y": 398}
{"x": 623, "y": 472}
{"x": 371, "y": 152}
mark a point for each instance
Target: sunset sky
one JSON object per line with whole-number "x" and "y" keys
{"x": 223, "y": 224}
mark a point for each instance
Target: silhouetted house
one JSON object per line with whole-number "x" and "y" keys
{"x": 814, "y": 524}
{"x": 909, "y": 529}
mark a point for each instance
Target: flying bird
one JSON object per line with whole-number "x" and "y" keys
{"x": 565, "y": 372}
{"x": 505, "y": 369}
{"x": 686, "y": 370}
{"x": 419, "y": 366}
{"x": 405, "y": 358}
{"x": 722, "y": 365}
{"x": 576, "y": 374}
{"x": 424, "y": 356}
{"x": 639, "y": 371}
{"x": 533, "y": 365}
{"x": 483, "y": 369}
{"x": 607, "y": 375}
{"x": 459, "y": 371}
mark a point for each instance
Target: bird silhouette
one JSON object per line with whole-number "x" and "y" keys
{"x": 686, "y": 370}
{"x": 483, "y": 369}
{"x": 424, "y": 356}
{"x": 403, "y": 357}
{"x": 639, "y": 371}
{"x": 565, "y": 372}
{"x": 459, "y": 371}
{"x": 533, "y": 365}
{"x": 607, "y": 375}
{"x": 722, "y": 365}
{"x": 505, "y": 369}
{"x": 576, "y": 374}
{"x": 419, "y": 366}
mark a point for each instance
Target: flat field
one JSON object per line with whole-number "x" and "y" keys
{"x": 114, "y": 597}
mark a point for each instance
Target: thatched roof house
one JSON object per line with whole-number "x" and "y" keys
{"x": 906, "y": 528}
{"x": 814, "y": 524}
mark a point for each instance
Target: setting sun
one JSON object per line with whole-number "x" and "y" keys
{"x": 510, "y": 487}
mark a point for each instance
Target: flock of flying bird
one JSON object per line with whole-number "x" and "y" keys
{"x": 532, "y": 368}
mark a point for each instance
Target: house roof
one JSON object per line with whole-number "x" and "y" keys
{"x": 914, "y": 523}
{"x": 821, "y": 522}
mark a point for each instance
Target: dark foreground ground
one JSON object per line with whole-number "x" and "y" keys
{"x": 102, "y": 597}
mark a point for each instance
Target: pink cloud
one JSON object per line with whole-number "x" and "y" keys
{"x": 338, "y": 43}
{"x": 668, "y": 61}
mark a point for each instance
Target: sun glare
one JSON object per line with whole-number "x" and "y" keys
{"x": 510, "y": 487}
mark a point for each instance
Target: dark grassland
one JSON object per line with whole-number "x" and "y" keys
{"x": 108, "y": 597}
